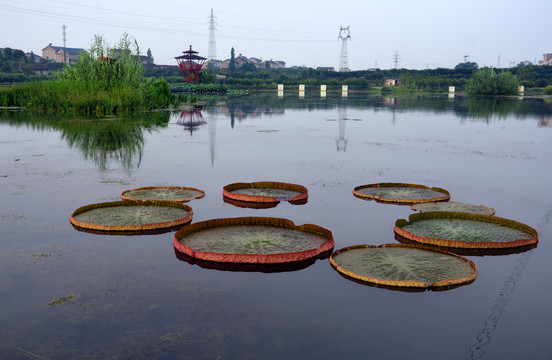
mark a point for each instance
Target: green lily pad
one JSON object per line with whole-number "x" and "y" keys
{"x": 464, "y": 230}
{"x": 266, "y": 192}
{"x": 401, "y": 193}
{"x": 453, "y": 206}
{"x": 400, "y": 265}
{"x": 252, "y": 240}
{"x": 132, "y": 215}
{"x": 170, "y": 193}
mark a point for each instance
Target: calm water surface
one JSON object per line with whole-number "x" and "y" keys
{"x": 67, "y": 294}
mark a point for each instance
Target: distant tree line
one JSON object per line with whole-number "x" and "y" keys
{"x": 15, "y": 67}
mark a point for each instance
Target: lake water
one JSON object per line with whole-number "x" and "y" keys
{"x": 68, "y": 294}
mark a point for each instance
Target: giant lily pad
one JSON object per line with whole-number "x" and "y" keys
{"x": 132, "y": 215}
{"x": 464, "y": 230}
{"x": 401, "y": 193}
{"x": 453, "y": 206}
{"x": 401, "y": 265}
{"x": 266, "y": 192}
{"x": 261, "y": 240}
{"x": 171, "y": 193}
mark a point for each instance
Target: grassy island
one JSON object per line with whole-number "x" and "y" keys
{"x": 103, "y": 81}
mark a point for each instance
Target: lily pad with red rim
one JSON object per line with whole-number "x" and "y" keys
{"x": 266, "y": 192}
{"x": 257, "y": 240}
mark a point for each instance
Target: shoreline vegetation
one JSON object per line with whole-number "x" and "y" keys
{"x": 112, "y": 80}
{"x": 104, "y": 81}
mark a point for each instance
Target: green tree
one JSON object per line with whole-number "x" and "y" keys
{"x": 18, "y": 54}
{"x": 466, "y": 66}
{"x": 8, "y": 52}
{"x": 150, "y": 57}
{"x": 232, "y": 65}
{"x": 248, "y": 67}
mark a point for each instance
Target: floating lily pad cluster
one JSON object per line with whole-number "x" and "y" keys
{"x": 249, "y": 240}
{"x": 269, "y": 242}
{"x": 445, "y": 225}
{"x": 143, "y": 209}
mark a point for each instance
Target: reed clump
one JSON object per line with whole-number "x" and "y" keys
{"x": 105, "y": 80}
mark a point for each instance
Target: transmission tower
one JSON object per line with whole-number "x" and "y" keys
{"x": 344, "y": 35}
{"x": 498, "y": 62}
{"x": 212, "y": 53}
{"x": 396, "y": 59}
{"x": 64, "y": 33}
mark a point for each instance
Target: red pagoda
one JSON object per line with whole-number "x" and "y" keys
{"x": 190, "y": 64}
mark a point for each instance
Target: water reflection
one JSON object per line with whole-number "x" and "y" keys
{"x": 191, "y": 119}
{"x": 105, "y": 140}
{"x": 242, "y": 107}
{"x": 247, "y": 267}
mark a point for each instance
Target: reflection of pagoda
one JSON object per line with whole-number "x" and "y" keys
{"x": 191, "y": 119}
{"x": 190, "y": 64}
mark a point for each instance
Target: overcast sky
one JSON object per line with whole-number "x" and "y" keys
{"x": 424, "y": 33}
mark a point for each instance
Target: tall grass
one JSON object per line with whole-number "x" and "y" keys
{"x": 486, "y": 82}
{"x": 105, "y": 80}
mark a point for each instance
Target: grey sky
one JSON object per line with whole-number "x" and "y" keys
{"x": 424, "y": 33}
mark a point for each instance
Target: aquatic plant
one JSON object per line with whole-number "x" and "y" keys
{"x": 401, "y": 193}
{"x": 453, "y": 206}
{"x": 170, "y": 193}
{"x": 403, "y": 266}
{"x": 266, "y": 192}
{"x": 261, "y": 240}
{"x": 132, "y": 215}
{"x": 464, "y": 230}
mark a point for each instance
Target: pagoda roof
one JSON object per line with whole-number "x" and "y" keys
{"x": 190, "y": 55}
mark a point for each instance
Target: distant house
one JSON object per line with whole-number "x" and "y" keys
{"x": 61, "y": 54}
{"x": 33, "y": 57}
{"x": 238, "y": 61}
{"x": 325, "y": 68}
{"x": 212, "y": 64}
{"x": 547, "y": 59}
{"x": 40, "y": 69}
{"x": 274, "y": 64}
{"x": 391, "y": 81}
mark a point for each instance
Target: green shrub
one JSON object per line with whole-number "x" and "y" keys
{"x": 548, "y": 90}
{"x": 486, "y": 82}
